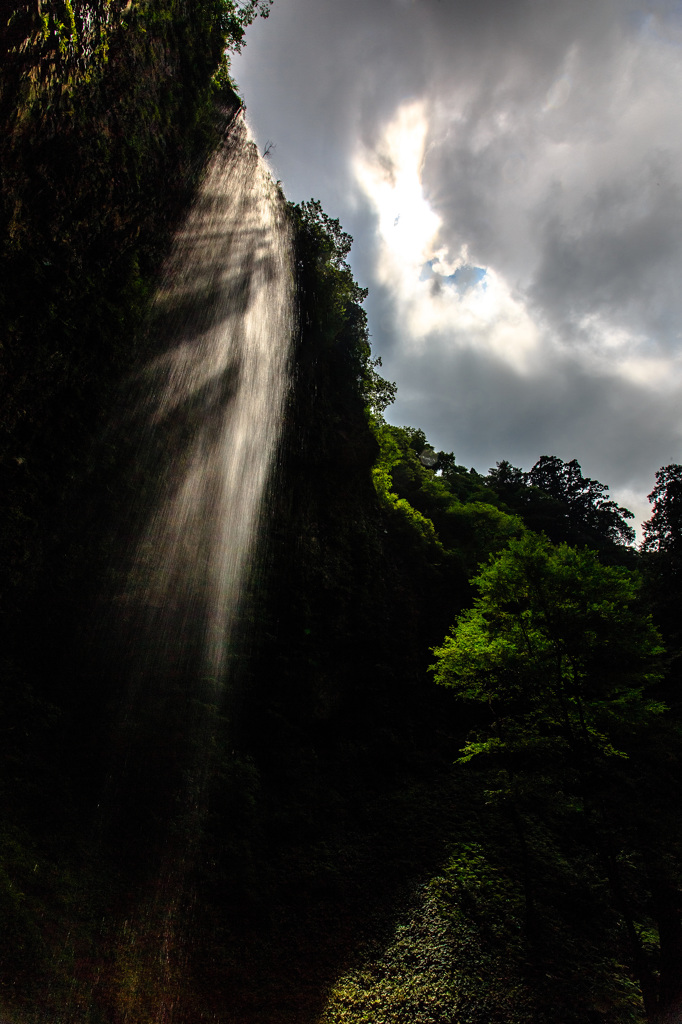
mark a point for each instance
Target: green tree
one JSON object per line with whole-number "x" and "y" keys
{"x": 559, "y": 649}
{"x": 508, "y": 480}
{"x": 561, "y": 653}
{"x": 378, "y": 392}
{"x": 468, "y": 529}
{"x": 330, "y": 299}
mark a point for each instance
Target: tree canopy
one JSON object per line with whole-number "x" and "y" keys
{"x": 559, "y": 650}
{"x": 589, "y": 513}
{"x": 555, "y": 498}
{"x": 663, "y": 532}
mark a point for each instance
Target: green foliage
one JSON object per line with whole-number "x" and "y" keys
{"x": 469, "y": 530}
{"x": 562, "y": 654}
{"x": 224, "y": 86}
{"x": 330, "y": 301}
{"x": 465, "y": 484}
{"x": 439, "y": 964}
{"x": 331, "y": 242}
{"x": 398, "y": 456}
{"x": 378, "y": 392}
{"x": 510, "y": 485}
{"x": 478, "y": 529}
{"x": 63, "y": 44}
{"x": 555, "y": 498}
{"x": 559, "y": 650}
{"x": 237, "y": 15}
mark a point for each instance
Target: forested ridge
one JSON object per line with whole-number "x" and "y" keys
{"x": 445, "y": 770}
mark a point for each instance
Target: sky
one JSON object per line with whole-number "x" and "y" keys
{"x": 511, "y": 173}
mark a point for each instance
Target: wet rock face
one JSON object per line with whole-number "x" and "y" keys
{"x": 101, "y": 151}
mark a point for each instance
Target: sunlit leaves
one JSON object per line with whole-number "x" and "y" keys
{"x": 557, "y": 647}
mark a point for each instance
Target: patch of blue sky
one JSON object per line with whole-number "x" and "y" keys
{"x": 462, "y": 280}
{"x": 658, "y": 20}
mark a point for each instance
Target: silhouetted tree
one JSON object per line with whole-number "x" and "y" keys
{"x": 661, "y": 559}
{"x": 663, "y": 532}
{"x": 586, "y": 514}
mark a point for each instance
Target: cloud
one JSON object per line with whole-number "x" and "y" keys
{"x": 478, "y": 308}
{"x": 511, "y": 173}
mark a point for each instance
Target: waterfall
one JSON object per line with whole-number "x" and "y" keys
{"x": 213, "y": 403}
{"x": 208, "y": 417}
{"x": 208, "y": 413}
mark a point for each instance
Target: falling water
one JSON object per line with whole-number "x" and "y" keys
{"x": 211, "y": 408}
{"x": 216, "y": 397}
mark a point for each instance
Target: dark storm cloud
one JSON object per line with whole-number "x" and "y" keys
{"x": 626, "y": 265}
{"x": 552, "y": 154}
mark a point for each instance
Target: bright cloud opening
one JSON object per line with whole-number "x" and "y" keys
{"x": 391, "y": 177}
{"x": 438, "y": 291}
